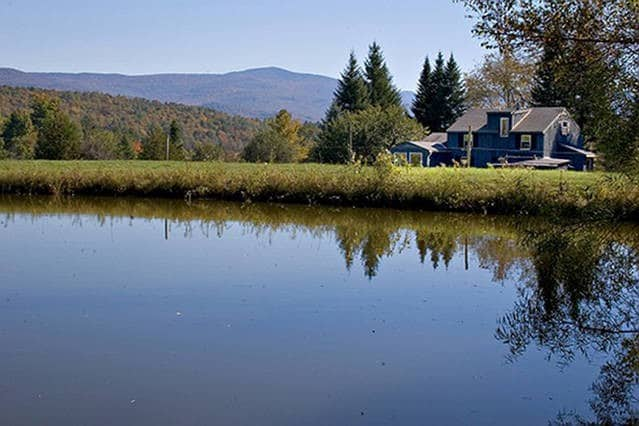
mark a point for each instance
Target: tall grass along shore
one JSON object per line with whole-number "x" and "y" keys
{"x": 527, "y": 192}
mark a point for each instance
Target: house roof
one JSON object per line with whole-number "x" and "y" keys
{"x": 436, "y": 138}
{"x": 473, "y": 118}
{"x": 537, "y": 119}
{"x": 429, "y": 146}
{"x": 529, "y": 120}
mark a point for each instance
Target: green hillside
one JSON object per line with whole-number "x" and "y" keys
{"x": 135, "y": 116}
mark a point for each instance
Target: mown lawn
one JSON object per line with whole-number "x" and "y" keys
{"x": 527, "y": 192}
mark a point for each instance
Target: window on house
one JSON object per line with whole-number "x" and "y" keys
{"x": 526, "y": 142}
{"x": 400, "y": 158}
{"x": 504, "y": 127}
{"x": 415, "y": 159}
{"x": 565, "y": 127}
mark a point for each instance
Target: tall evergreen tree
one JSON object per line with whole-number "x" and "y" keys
{"x": 352, "y": 93}
{"x": 546, "y": 90}
{"x": 422, "y": 105}
{"x": 381, "y": 90}
{"x": 439, "y": 96}
{"x": 455, "y": 93}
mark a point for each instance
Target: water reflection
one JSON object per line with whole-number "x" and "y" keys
{"x": 582, "y": 296}
{"x": 364, "y": 235}
{"x": 577, "y": 286}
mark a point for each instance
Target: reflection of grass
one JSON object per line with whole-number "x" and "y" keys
{"x": 479, "y": 190}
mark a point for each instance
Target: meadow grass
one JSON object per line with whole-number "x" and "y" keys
{"x": 528, "y": 192}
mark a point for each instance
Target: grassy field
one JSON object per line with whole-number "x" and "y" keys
{"x": 526, "y": 192}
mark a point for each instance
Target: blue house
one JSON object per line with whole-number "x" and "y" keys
{"x": 535, "y": 137}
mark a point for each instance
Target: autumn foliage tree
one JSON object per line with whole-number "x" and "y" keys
{"x": 279, "y": 141}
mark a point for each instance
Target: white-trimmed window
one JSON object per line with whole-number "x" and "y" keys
{"x": 504, "y": 127}
{"x": 415, "y": 159}
{"x": 400, "y": 158}
{"x": 526, "y": 143}
{"x": 565, "y": 127}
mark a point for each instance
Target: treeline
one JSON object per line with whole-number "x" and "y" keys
{"x": 38, "y": 123}
{"x": 366, "y": 117}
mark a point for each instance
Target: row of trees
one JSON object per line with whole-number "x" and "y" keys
{"x": 367, "y": 115}
{"x": 441, "y": 95}
{"x": 47, "y": 132}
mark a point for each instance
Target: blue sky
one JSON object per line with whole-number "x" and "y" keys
{"x": 145, "y": 36}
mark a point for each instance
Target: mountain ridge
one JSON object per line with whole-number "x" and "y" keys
{"x": 254, "y": 92}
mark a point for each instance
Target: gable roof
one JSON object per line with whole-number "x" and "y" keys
{"x": 473, "y": 118}
{"x": 538, "y": 119}
{"x": 529, "y": 120}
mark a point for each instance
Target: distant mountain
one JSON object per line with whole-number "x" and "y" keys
{"x": 257, "y": 93}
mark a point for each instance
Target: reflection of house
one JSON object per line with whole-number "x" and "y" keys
{"x": 534, "y": 137}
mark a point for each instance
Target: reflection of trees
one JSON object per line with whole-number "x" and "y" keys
{"x": 366, "y": 234}
{"x": 442, "y": 245}
{"x": 582, "y": 296}
{"x": 370, "y": 243}
{"x": 501, "y": 255}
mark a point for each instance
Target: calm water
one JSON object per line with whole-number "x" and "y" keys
{"x": 150, "y": 312}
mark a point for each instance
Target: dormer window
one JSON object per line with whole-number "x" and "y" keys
{"x": 504, "y": 127}
{"x": 525, "y": 143}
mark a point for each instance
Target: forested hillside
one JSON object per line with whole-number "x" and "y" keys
{"x": 136, "y": 117}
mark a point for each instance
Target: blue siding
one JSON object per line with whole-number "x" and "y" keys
{"x": 490, "y": 147}
{"x": 436, "y": 158}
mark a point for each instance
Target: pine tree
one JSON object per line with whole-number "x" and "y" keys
{"x": 422, "y": 105}
{"x": 381, "y": 90}
{"x": 439, "y": 97}
{"x": 455, "y": 93}
{"x": 352, "y": 93}
{"x": 547, "y": 90}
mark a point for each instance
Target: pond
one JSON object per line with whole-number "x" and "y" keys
{"x": 160, "y": 312}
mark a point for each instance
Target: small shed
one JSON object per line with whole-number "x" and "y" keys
{"x": 430, "y": 152}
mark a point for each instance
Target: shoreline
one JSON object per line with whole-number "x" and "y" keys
{"x": 578, "y": 195}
